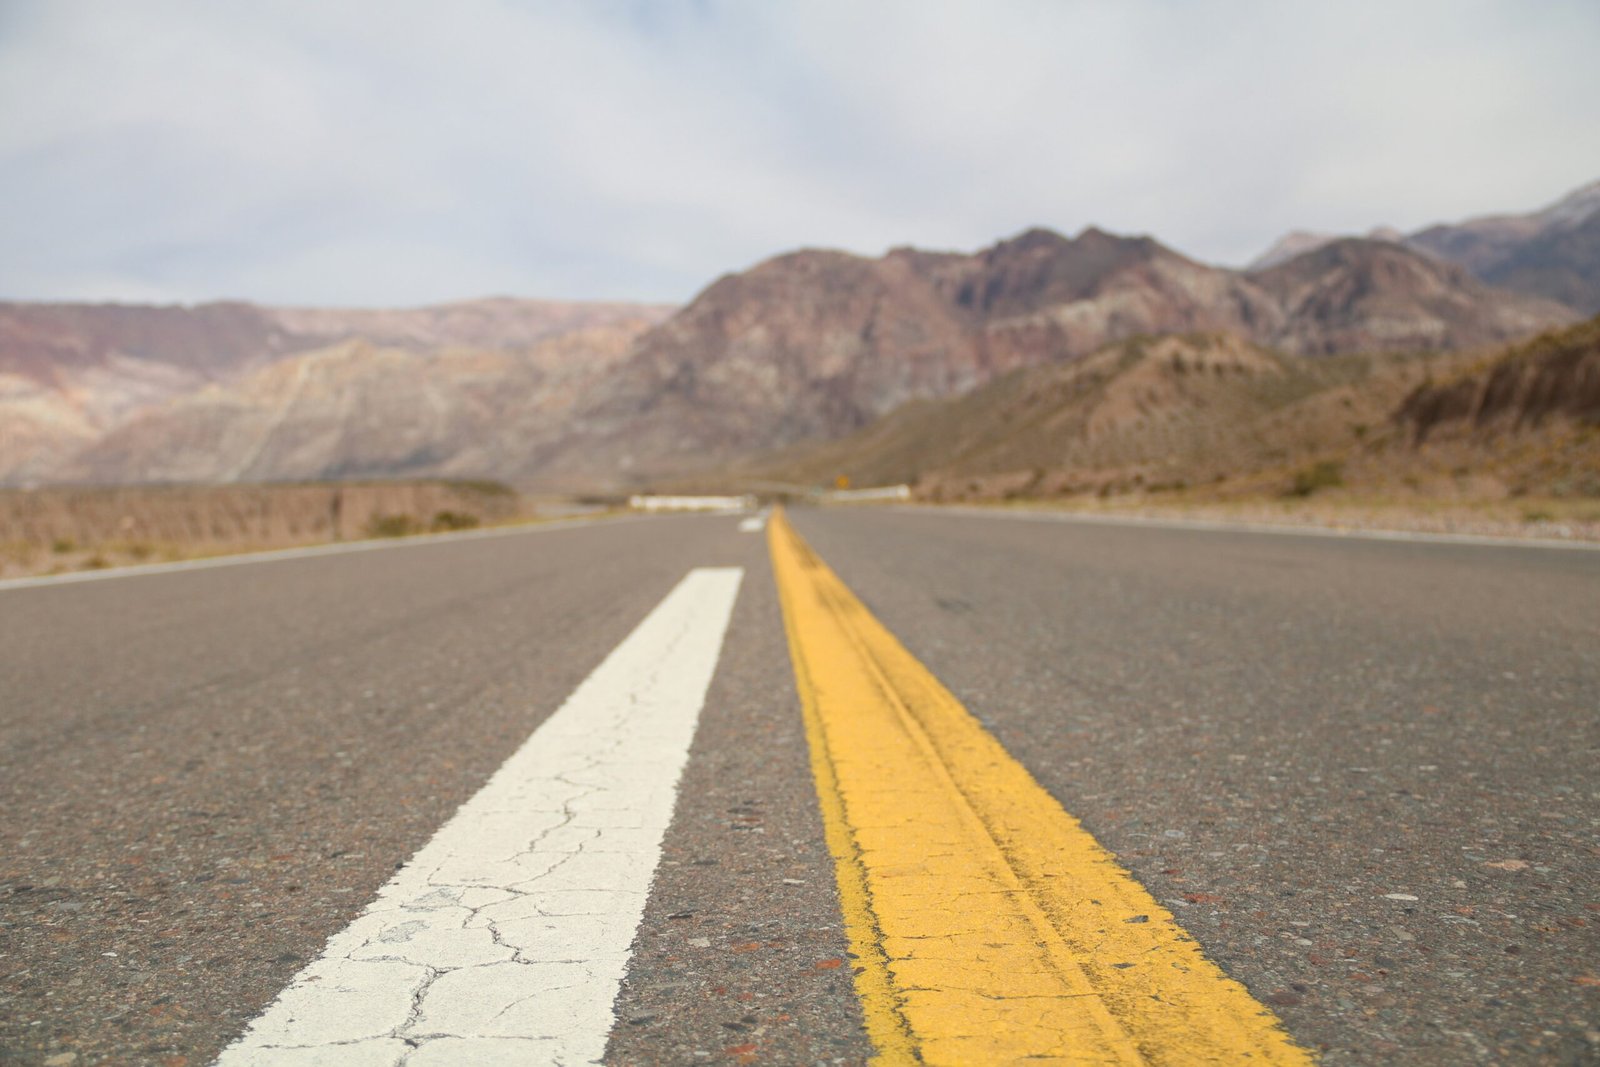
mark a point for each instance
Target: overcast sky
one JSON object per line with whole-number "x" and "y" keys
{"x": 392, "y": 152}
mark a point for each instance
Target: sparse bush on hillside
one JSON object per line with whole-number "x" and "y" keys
{"x": 392, "y": 526}
{"x": 407, "y": 525}
{"x": 482, "y": 486}
{"x": 138, "y": 551}
{"x": 454, "y": 520}
{"x": 1325, "y": 474}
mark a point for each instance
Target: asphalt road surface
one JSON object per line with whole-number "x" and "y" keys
{"x": 1363, "y": 775}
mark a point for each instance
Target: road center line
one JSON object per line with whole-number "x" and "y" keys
{"x": 988, "y": 925}
{"x": 506, "y": 936}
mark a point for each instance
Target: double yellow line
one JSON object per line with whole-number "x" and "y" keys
{"x": 988, "y": 926}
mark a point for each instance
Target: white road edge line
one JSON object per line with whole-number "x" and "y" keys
{"x": 336, "y": 549}
{"x": 506, "y": 937}
{"x": 1221, "y": 526}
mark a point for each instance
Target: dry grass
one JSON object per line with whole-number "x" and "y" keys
{"x": 59, "y": 531}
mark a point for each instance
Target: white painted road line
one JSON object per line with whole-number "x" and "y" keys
{"x": 506, "y": 937}
{"x": 754, "y": 524}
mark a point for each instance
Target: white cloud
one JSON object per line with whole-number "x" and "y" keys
{"x": 391, "y": 152}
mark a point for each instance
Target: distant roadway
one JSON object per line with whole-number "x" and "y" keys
{"x": 851, "y": 783}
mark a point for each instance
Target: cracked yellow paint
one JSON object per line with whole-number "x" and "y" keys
{"x": 988, "y": 926}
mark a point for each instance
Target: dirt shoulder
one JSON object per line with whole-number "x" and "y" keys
{"x": 1523, "y": 518}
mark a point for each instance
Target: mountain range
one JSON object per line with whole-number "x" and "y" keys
{"x": 1552, "y": 253}
{"x": 805, "y": 347}
{"x": 814, "y": 345}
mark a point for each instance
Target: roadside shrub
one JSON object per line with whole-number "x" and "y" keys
{"x": 483, "y": 486}
{"x": 392, "y": 526}
{"x": 62, "y": 545}
{"x": 1326, "y": 474}
{"x": 454, "y": 520}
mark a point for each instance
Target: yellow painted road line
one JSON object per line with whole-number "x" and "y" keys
{"x": 988, "y": 925}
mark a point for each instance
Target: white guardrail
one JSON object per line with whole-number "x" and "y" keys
{"x": 749, "y": 502}
{"x": 692, "y": 503}
{"x": 881, "y": 492}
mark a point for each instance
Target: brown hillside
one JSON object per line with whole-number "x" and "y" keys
{"x": 1556, "y": 376}
{"x": 1218, "y": 416}
{"x": 1164, "y": 412}
{"x": 1529, "y": 417}
{"x": 58, "y": 529}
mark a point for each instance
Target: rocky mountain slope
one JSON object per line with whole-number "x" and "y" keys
{"x": 1211, "y": 412}
{"x": 72, "y": 373}
{"x": 1555, "y": 377}
{"x": 360, "y": 410}
{"x": 1140, "y": 413}
{"x": 1356, "y": 295}
{"x": 1552, "y": 253}
{"x": 69, "y": 372}
{"x": 816, "y": 344}
{"x": 1531, "y": 414}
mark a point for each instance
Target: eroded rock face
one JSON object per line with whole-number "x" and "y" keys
{"x": 118, "y": 393}
{"x": 359, "y": 410}
{"x": 1554, "y": 377}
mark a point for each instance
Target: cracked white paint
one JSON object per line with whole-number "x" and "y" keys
{"x": 506, "y": 937}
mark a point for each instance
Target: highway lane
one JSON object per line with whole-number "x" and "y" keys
{"x": 209, "y": 773}
{"x": 1284, "y": 738}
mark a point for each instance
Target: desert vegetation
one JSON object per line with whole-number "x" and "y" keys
{"x": 45, "y": 531}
